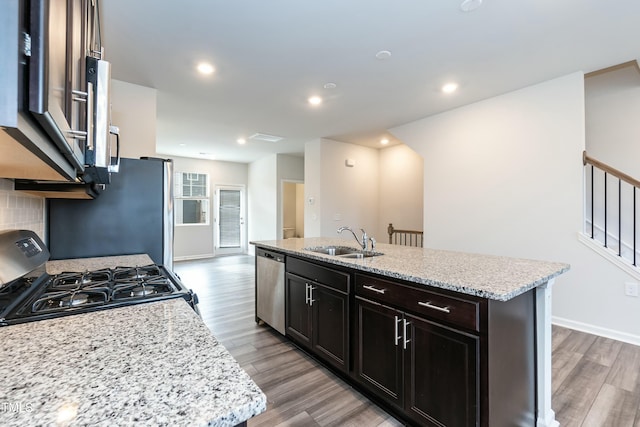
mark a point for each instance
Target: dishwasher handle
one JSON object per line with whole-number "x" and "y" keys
{"x": 270, "y": 255}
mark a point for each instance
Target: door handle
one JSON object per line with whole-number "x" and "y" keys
{"x": 396, "y": 335}
{"x": 311, "y": 300}
{"x": 405, "y": 341}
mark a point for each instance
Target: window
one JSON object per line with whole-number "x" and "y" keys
{"x": 192, "y": 198}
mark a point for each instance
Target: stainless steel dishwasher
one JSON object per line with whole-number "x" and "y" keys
{"x": 270, "y": 288}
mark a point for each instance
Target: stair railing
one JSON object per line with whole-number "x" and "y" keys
{"x": 606, "y": 199}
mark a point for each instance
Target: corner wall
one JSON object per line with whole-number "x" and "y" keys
{"x": 504, "y": 176}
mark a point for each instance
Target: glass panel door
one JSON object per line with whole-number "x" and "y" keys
{"x": 229, "y": 220}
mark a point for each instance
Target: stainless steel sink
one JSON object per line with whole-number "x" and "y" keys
{"x": 343, "y": 251}
{"x": 332, "y": 250}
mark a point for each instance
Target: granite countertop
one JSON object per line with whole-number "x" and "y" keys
{"x": 89, "y": 264}
{"x": 493, "y": 277}
{"x": 147, "y": 364}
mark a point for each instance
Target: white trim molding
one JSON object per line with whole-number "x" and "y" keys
{"x": 596, "y": 330}
{"x": 544, "y": 414}
{"x": 609, "y": 255}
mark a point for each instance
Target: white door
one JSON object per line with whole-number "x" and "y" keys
{"x": 229, "y": 220}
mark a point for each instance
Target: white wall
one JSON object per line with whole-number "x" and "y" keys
{"x": 262, "y": 192}
{"x": 342, "y": 195}
{"x": 401, "y": 190}
{"x": 504, "y": 176}
{"x": 612, "y": 107}
{"x": 197, "y": 241}
{"x": 312, "y": 188}
{"x": 133, "y": 110}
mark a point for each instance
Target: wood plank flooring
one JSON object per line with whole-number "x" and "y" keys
{"x": 596, "y": 381}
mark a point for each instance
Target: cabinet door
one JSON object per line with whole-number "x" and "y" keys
{"x": 298, "y": 314}
{"x": 330, "y": 325}
{"x": 378, "y": 364}
{"x": 441, "y": 375}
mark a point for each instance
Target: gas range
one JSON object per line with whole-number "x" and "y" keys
{"x": 30, "y": 297}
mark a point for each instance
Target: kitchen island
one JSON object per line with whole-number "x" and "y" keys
{"x": 437, "y": 337}
{"x": 154, "y": 364}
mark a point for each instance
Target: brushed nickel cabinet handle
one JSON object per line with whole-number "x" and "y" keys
{"x": 397, "y": 336}
{"x": 405, "y": 341}
{"x": 371, "y": 288}
{"x": 434, "y": 307}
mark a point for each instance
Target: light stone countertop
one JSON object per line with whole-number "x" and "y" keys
{"x": 90, "y": 264}
{"x": 151, "y": 364}
{"x": 488, "y": 276}
{"x": 146, "y": 364}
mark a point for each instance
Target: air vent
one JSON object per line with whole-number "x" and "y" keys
{"x": 265, "y": 137}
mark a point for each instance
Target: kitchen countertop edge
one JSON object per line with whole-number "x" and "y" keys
{"x": 496, "y": 277}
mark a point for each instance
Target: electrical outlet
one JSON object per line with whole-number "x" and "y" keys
{"x": 631, "y": 289}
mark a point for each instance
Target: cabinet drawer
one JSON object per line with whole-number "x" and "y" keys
{"x": 432, "y": 304}
{"x": 327, "y": 276}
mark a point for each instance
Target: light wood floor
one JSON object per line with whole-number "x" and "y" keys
{"x": 596, "y": 381}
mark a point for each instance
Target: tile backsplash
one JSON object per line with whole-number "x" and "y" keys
{"x": 19, "y": 210}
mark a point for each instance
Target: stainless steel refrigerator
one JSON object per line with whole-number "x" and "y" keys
{"x": 132, "y": 215}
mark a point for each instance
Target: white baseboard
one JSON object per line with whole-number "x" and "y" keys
{"x": 192, "y": 257}
{"x": 596, "y": 330}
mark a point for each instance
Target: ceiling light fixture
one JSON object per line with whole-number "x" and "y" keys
{"x": 241, "y": 141}
{"x": 450, "y": 87}
{"x": 330, "y": 86}
{"x": 205, "y": 68}
{"x": 315, "y": 100}
{"x": 384, "y": 141}
{"x": 470, "y": 5}
{"x": 383, "y": 54}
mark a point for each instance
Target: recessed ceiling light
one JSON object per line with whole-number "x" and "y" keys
{"x": 182, "y": 144}
{"x": 205, "y": 68}
{"x": 330, "y": 85}
{"x": 241, "y": 141}
{"x": 315, "y": 100}
{"x": 383, "y": 54}
{"x": 384, "y": 141}
{"x": 450, "y": 87}
{"x": 469, "y": 5}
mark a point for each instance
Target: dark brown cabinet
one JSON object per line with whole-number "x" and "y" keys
{"x": 428, "y": 371}
{"x": 317, "y": 311}
{"x": 433, "y": 357}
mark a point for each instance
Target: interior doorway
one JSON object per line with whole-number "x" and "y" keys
{"x": 292, "y": 209}
{"x": 229, "y": 230}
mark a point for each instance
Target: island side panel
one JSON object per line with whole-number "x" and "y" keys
{"x": 511, "y": 361}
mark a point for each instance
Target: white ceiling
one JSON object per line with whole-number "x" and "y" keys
{"x": 271, "y": 55}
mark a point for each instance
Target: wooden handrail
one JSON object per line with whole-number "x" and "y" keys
{"x": 610, "y": 170}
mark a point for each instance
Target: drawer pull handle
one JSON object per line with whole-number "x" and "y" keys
{"x": 405, "y": 341}
{"x": 397, "y": 336}
{"x": 434, "y": 307}
{"x": 371, "y": 288}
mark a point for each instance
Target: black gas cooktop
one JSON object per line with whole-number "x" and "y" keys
{"x": 48, "y": 296}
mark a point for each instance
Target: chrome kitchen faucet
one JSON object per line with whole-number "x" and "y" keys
{"x": 363, "y": 241}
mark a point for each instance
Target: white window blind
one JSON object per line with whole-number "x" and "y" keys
{"x": 229, "y": 217}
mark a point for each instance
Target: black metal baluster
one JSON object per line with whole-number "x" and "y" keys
{"x": 619, "y": 217}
